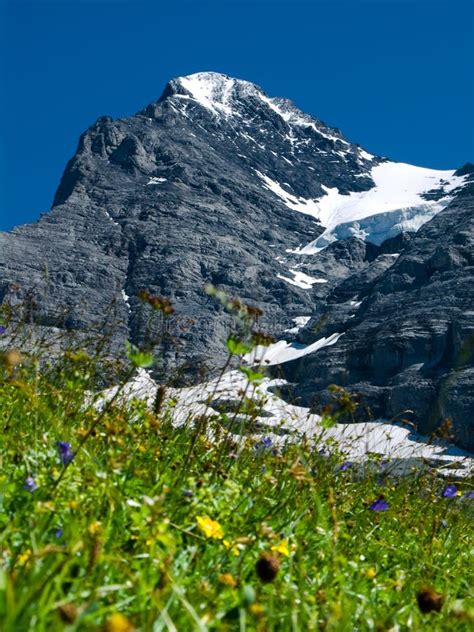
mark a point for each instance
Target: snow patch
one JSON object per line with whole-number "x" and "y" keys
{"x": 293, "y": 116}
{"x": 156, "y": 181}
{"x": 126, "y": 298}
{"x": 300, "y": 322}
{"x": 111, "y": 218}
{"x": 283, "y": 351}
{"x": 300, "y": 279}
{"x": 394, "y": 205}
{"x": 391, "y": 441}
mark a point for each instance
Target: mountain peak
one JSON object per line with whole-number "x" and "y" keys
{"x": 213, "y": 90}
{"x": 223, "y": 96}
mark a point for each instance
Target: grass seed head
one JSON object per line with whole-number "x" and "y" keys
{"x": 267, "y": 567}
{"x": 429, "y": 600}
{"x": 67, "y": 613}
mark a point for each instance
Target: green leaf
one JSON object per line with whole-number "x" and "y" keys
{"x": 238, "y": 347}
{"x": 139, "y": 358}
{"x": 251, "y": 375}
{"x": 328, "y": 422}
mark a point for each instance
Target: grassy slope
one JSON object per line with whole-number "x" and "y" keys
{"x": 122, "y": 537}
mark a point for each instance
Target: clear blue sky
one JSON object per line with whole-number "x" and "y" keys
{"x": 395, "y": 75}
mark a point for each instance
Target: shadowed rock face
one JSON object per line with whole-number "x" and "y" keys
{"x": 408, "y": 349}
{"x": 210, "y": 185}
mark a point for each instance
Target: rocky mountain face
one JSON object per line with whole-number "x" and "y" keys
{"x": 216, "y": 183}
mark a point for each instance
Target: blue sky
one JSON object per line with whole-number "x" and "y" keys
{"x": 394, "y": 75}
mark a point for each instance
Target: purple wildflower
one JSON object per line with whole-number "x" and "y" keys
{"x": 379, "y": 505}
{"x": 346, "y": 465}
{"x": 30, "y": 484}
{"x": 450, "y": 491}
{"x": 264, "y": 444}
{"x": 58, "y": 534}
{"x": 65, "y": 453}
{"x": 469, "y": 495}
{"x": 2, "y": 329}
{"x": 187, "y": 493}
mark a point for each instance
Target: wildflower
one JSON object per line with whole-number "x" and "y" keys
{"x": 282, "y": 548}
{"x": 450, "y": 491}
{"x": 429, "y": 600}
{"x": 58, "y": 534}
{"x": 267, "y": 567}
{"x": 256, "y": 609}
{"x": 346, "y": 465}
{"x": 67, "y": 613}
{"x": 2, "y": 329}
{"x": 118, "y": 623}
{"x": 469, "y": 495}
{"x": 262, "y": 339}
{"x": 379, "y": 505}
{"x": 264, "y": 444}
{"x": 187, "y": 493}
{"x": 159, "y": 303}
{"x": 12, "y": 358}
{"x": 371, "y": 572}
{"x": 65, "y": 453}
{"x": 210, "y": 528}
{"x": 24, "y": 557}
{"x": 232, "y": 547}
{"x": 30, "y": 484}
{"x": 228, "y": 580}
{"x": 94, "y": 527}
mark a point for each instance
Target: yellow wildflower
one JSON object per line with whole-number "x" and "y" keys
{"x": 24, "y": 557}
{"x": 228, "y": 580}
{"x": 233, "y": 547}
{"x": 282, "y": 547}
{"x": 210, "y": 528}
{"x": 371, "y": 572}
{"x": 118, "y": 623}
{"x": 94, "y": 527}
{"x": 256, "y": 609}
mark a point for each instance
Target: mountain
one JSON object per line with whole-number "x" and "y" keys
{"x": 363, "y": 267}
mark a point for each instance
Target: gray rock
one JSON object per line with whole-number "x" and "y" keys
{"x": 179, "y": 196}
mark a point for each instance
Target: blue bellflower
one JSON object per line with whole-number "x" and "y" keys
{"x": 30, "y": 484}
{"x": 346, "y": 465}
{"x": 65, "y": 453}
{"x": 379, "y": 505}
{"x": 450, "y": 491}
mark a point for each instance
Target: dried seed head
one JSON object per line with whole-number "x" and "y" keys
{"x": 12, "y": 358}
{"x": 67, "y": 612}
{"x": 429, "y": 600}
{"x": 267, "y": 567}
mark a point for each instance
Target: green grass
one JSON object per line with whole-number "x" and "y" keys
{"x": 129, "y": 506}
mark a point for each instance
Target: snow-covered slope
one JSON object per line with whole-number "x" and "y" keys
{"x": 281, "y": 422}
{"x": 395, "y": 204}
